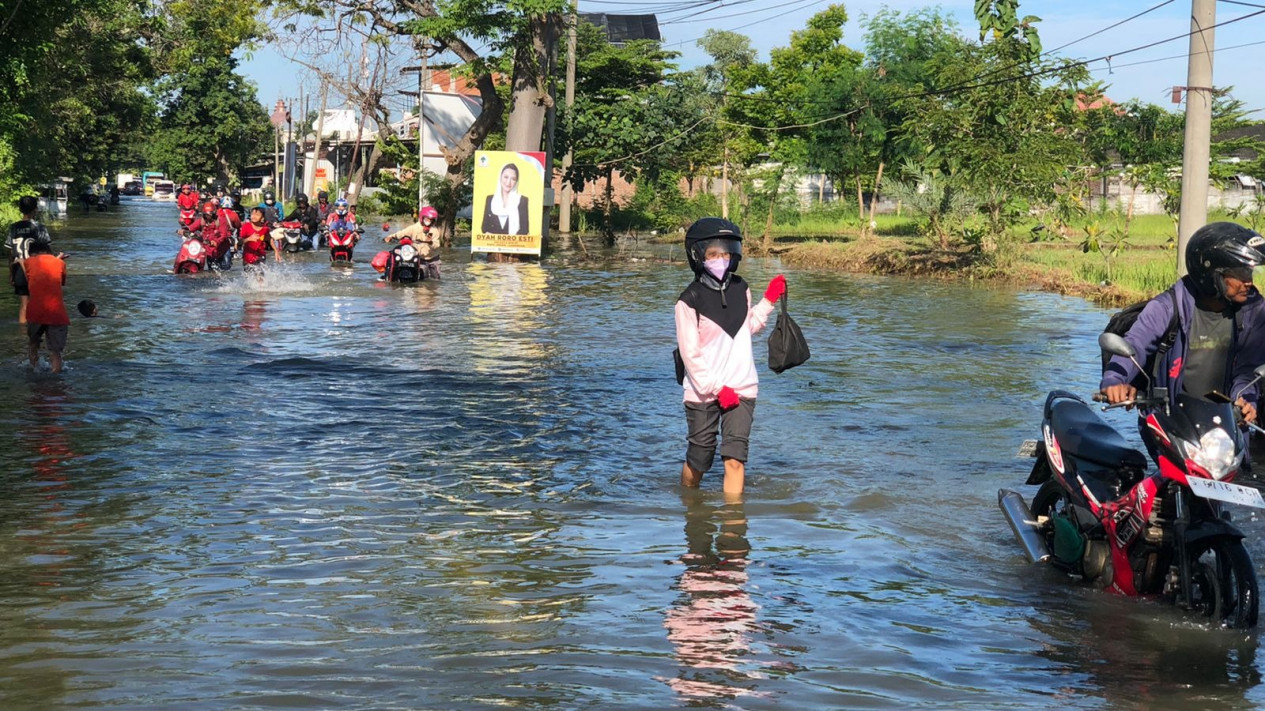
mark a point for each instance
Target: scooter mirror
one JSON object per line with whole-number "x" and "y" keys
{"x": 1259, "y": 372}
{"x": 1116, "y": 345}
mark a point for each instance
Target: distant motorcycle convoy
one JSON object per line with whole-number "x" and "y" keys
{"x": 214, "y": 229}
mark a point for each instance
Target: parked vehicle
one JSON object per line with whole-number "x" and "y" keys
{"x": 1101, "y": 515}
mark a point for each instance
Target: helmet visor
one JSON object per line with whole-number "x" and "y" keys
{"x": 718, "y": 247}
{"x": 1247, "y": 275}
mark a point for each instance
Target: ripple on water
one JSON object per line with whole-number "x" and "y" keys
{"x": 315, "y": 490}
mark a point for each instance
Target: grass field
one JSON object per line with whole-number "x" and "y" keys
{"x": 1145, "y": 264}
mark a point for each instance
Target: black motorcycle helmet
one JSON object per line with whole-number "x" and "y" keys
{"x": 300, "y": 200}
{"x": 269, "y": 197}
{"x": 708, "y": 232}
{"x": 322, "y": 196}
{"x": 1222, "y": 249}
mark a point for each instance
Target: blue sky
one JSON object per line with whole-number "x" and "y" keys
{"x": 769, "y": 23}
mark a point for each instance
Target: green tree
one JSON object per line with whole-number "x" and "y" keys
{"x": 623, "y": 109}
{"x": 211, "y": 122}
{"x": 998, "y": 124}
{"x": 779, "y": 97}
{"x": 72, "y": 96}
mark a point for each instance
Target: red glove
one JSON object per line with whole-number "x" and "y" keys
{"x": 727, "y": 398}
{"x": 777, "y": 287}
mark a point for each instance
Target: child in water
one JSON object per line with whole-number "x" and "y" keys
{"x": 715, "y": 320}
{"x": 254, "y": 238}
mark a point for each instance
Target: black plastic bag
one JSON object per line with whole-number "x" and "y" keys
{"x": 787, "y": 347}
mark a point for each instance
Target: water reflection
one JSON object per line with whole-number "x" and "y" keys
{"x": 713, "y": 621}
{"x": 1137, "y": 656}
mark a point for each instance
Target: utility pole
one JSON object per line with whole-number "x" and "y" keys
{"x": 309, "y": 173}
{"x": 424, "y": 49}
{"x": 564, "y": 209}
{"x": 1196, "y": 151}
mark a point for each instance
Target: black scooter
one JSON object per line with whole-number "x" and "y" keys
{"x": 1101, "y": 516}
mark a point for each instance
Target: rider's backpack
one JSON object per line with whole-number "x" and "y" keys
{"x": 1121, "y": 321}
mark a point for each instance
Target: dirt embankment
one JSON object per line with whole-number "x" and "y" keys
{"x": 895, "y": 257}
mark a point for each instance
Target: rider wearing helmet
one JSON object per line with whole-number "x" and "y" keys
{"x": 424, "y": 237}
{"x": 228, "y": 224}
{"x": 305, "y": 214}
{"x": 1220, "y": 336}
{"x": 273, "y": 210}
{"x": 715, "y": 320}
{"x": 188, "y": 197}
{"x": 342, "y": 212}
{"x": 323, "y": 208}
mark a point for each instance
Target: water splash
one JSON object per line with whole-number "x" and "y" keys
{"x": 273, "y": 279}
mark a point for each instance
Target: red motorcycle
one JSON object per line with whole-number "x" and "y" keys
{"x": 187, "y": 217}
{"x": 342, "y": 241}
{"x": 191, "y": 258}
{"x": 1100, "y": 515}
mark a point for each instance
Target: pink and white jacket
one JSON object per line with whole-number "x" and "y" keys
{"x": 713, "y": 331}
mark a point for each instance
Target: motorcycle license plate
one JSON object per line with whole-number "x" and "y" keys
{"x": 1225, "y": 491}
{"x": 1027, "y": 449}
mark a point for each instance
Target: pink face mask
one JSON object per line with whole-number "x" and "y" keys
{"x": 717, "y": 267}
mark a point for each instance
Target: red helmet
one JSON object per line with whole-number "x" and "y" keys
{"x": 186, "y": 186}
{"x": 430, "y": 212}
{"x": 209, "y": 206}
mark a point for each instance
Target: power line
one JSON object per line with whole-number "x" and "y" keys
{"x": 802, "y": 4}
{"x": 1110, "y": 27}
{"x": 939, "y": 92}
{"x": 1181, "y": 56}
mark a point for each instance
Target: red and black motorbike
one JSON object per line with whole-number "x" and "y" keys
{"x": 191, "y": 258}
{"x": 342, "y": 242}
{"x": 187, "y": 217}
{"x": 1101, "y": 515}
{"x": 404, "y": 264}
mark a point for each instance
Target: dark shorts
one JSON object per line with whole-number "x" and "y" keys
{"x": 18, "y": 276}
{"x": 56, "y": 335}
{"x": 704, "y": 419}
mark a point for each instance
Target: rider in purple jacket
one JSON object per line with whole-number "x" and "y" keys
{"x": 1218, "y": 309}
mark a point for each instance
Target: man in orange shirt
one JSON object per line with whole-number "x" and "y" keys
{"x": 46, "y": 311}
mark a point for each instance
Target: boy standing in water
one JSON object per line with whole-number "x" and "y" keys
{"x": 715, "y": 320}
{"x": 22, "y": 234}
{"x": 46, "y": 313}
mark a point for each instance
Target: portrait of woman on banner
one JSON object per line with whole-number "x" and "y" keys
{"x": 506, "y": 210}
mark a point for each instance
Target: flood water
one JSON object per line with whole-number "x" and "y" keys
{"x": 319, "y": 491}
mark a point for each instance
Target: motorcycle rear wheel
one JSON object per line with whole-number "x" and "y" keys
{"x": 1050, "y": 499}
{"x": 1223, "y": 583}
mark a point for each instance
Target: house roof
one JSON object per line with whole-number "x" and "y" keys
{"x": 1256, "y": 131}
{"x": 625, "y": 28}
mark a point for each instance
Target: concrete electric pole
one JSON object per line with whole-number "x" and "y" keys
{"x": 1196, "y": 152}
{"x": 564, "y": 208}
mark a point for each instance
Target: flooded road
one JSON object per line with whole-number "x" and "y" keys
{"x": 319, "y": 491}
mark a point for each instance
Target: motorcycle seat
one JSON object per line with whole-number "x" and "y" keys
{"x": 1082, "y": 433}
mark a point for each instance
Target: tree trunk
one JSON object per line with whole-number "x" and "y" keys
{"x": 878, "y": 179}
{"x": 608, "y": 229}
{"x": 724, "y": 183}
{"x": 768, "y": 222}
{"x": 530, "y": 99}
{"x": 856, "y": 177}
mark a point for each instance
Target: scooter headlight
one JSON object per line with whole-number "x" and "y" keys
{"x": 1216, "y": 453}
{"x": 408, "y": 253}
{"x": 195, "y": 248}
